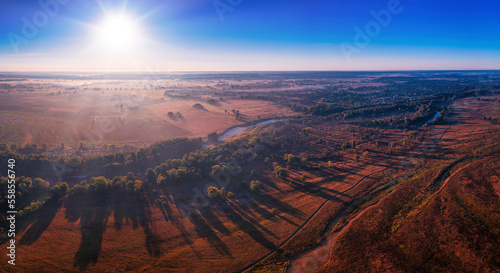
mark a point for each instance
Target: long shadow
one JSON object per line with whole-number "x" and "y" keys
{"x": 271, "y": 202}
{"x": 248, "y": 228}
{"x": 203, "y": 230}
{"x": 315, "y": 190}
{"x": 266, "y": 214}
{"x": 93, "y": 212}
{"x": 176, "y": 223}
{"x": 287, "y": 220}
{"x": 242, "y": 210}
{"x": 152, "y": 239}
{"x": 42, "y": 222}
{"x": 93, "y": 215}
{"x": 214, "y": 221}
{"x": 166, "y": 211}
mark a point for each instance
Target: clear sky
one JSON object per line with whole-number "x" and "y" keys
{"x": 242, "y": 35}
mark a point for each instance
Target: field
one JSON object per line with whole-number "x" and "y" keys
{"x": 344, "y": 186}
{"x": 92, "y": 116}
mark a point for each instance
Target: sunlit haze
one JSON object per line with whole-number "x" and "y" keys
{"x": 245, "y": 35}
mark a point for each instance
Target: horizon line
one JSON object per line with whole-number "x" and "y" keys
{"x": 240, "y": 71}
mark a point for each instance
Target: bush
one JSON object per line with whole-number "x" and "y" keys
{"x": 151, "y": 176}
{"x": 213, "y": 192}
{"x": 212, "y": 137}
{"x": 279, "y": 172}
{"x": 290, "y": 158}
{"x": 230, "y": 194}
{"x": 356, "y": 157}
{"x": 255, "y": 185}
{"x": 60, "y": 189}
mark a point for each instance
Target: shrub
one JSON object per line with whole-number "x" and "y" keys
{"x": 130, "y": 176}
{"x": 279, "y": 172}
{"x": 60, "y": 189}
{"x": 255, "y": 185}
{"x": 212, "y": 137}
{"x": 151, "y": 176}
{"x": 356, "y": 157}
{"x": 230, "y": 194}
{"x": 213, "y": 192}
{"x": 290, "y": 158}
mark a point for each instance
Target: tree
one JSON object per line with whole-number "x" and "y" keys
{"x": 290, "y": 158}
{"x": 99, "y": 185}
{"x": 223, "y": 192}
{"x": 255, "y": 185}
{"x": 151, "y": 176}
{"x": 60, "y": 189}
{"x": 212, "y": 137}
{"x": 130, "y": 176}
{"x": 279, "y": 172}
{"x": 213, "y": 192}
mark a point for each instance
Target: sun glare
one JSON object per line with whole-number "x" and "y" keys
{"x": 118, "y": 32}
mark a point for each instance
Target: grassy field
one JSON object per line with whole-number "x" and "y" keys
{"x": 395, "y": 190}
{"x": 97, "y": 118}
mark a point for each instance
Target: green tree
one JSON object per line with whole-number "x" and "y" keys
{"x": 60, "y": 189}
{"x": 255, "y": 185}
{"x": 151, "y": 176}
{"x": 213, "y": 192}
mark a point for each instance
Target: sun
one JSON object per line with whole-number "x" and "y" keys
{"x": 118, "y": 32}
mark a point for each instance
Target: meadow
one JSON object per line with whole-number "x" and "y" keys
{"x": 346, "y": 181}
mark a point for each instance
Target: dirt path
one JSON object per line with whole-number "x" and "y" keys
{"x": 340, "y": 215}
{"x": 320, "y": 254}
{"x": 310, "y": 218}
{"x": 313, "y": 259}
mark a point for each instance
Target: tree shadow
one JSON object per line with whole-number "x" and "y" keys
{"x": 248, "y": 227}
{"x": 271, "y": 202}
{"x": 93, "y": 215}
{"x": 203, "y": 230}
{"x": 168, "y": 215}
{"x": 152, "y": 239}
{"x": 93, "y": 212}
{"x": 43, "y": 219}
{"x": 315, "y": 190}
{"x": 214, "y": 221}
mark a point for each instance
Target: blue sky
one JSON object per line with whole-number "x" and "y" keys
{"x": 191, "y": 35}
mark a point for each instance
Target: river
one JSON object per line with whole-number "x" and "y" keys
{"x": 237, "y": 130}
{"x": 433, "y": 118}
